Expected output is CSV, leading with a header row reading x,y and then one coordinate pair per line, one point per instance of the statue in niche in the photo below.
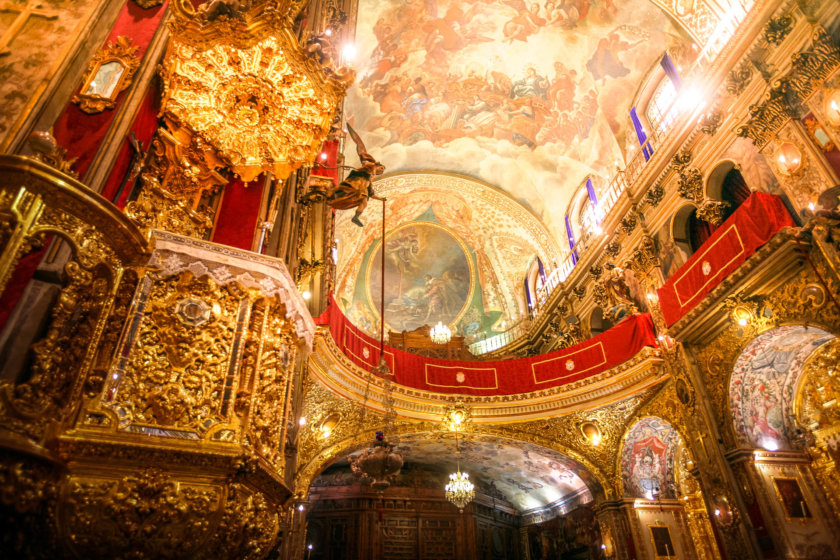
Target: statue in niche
x,y
619,297
355,190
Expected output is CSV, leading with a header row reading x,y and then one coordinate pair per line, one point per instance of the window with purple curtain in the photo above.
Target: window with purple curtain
x,y
571,240
647,148
671,71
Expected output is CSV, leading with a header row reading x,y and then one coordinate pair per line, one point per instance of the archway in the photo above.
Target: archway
x,y
763,384
598,323
778,470
655,467
526,496
727,183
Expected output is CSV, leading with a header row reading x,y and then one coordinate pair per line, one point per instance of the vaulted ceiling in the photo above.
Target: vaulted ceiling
x,y
529,97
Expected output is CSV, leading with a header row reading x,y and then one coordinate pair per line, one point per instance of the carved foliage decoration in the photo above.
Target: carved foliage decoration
x,y
146,4
777,29
175,372
809,69
155,515
109,73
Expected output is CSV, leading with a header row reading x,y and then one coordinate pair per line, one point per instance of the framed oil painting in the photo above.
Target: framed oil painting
x,y
109,73
791,497
663,546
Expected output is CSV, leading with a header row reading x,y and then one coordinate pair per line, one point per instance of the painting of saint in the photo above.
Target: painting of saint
x,y
790,495
671,255
428,274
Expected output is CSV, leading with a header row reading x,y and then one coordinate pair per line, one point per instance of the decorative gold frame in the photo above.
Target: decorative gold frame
x,y
146,4
667,530
803,503
123,51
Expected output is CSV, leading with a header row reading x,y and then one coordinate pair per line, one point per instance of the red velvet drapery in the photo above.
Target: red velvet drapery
x,y
750,227
523,375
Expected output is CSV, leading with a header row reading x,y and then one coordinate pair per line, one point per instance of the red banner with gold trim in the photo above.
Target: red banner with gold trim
x,y
752,225
591,357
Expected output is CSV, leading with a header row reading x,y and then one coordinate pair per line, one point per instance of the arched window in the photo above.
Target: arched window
x,y
659,113
535,292
726,183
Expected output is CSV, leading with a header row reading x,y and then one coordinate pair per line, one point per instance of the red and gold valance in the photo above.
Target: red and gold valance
x,y
750,226
593,356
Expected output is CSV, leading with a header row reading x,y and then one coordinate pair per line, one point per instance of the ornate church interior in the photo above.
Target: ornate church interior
x,y
420,279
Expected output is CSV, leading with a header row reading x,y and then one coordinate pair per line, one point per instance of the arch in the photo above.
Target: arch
x,y
763,383
688,231
726,183
534,282
596,480
598,322
647,462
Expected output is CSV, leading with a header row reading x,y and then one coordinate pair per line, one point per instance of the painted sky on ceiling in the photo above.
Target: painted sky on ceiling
x,y
528,97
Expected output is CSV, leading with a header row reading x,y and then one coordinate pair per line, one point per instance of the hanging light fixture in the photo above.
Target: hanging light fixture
x,y
440,334
460,491
379,463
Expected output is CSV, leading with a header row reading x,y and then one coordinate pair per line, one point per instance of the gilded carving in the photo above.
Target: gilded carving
x,y
175,372
690,185
712,211
628,223
738,79
777,29
710,122
249,64
655,194
146,4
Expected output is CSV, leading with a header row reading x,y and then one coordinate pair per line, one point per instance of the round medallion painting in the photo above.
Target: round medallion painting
x,y
428,277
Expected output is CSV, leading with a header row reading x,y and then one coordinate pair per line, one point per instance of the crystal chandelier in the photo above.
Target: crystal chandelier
x,y
440,334
460,491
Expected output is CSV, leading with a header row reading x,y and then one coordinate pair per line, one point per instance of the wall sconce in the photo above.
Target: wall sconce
x,y
788,158
832,107
328,425
591,432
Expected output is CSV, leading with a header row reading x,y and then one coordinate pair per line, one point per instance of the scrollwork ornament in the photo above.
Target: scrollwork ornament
x,y
777,29
628,223
146,4
710,122
655,194
738,79
690,185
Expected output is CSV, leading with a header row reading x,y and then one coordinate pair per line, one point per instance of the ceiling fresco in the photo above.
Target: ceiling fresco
x,y
527,476
763,384
530,97
457,251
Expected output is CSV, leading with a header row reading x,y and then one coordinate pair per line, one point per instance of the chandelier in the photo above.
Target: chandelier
x,y
460,491
440,334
